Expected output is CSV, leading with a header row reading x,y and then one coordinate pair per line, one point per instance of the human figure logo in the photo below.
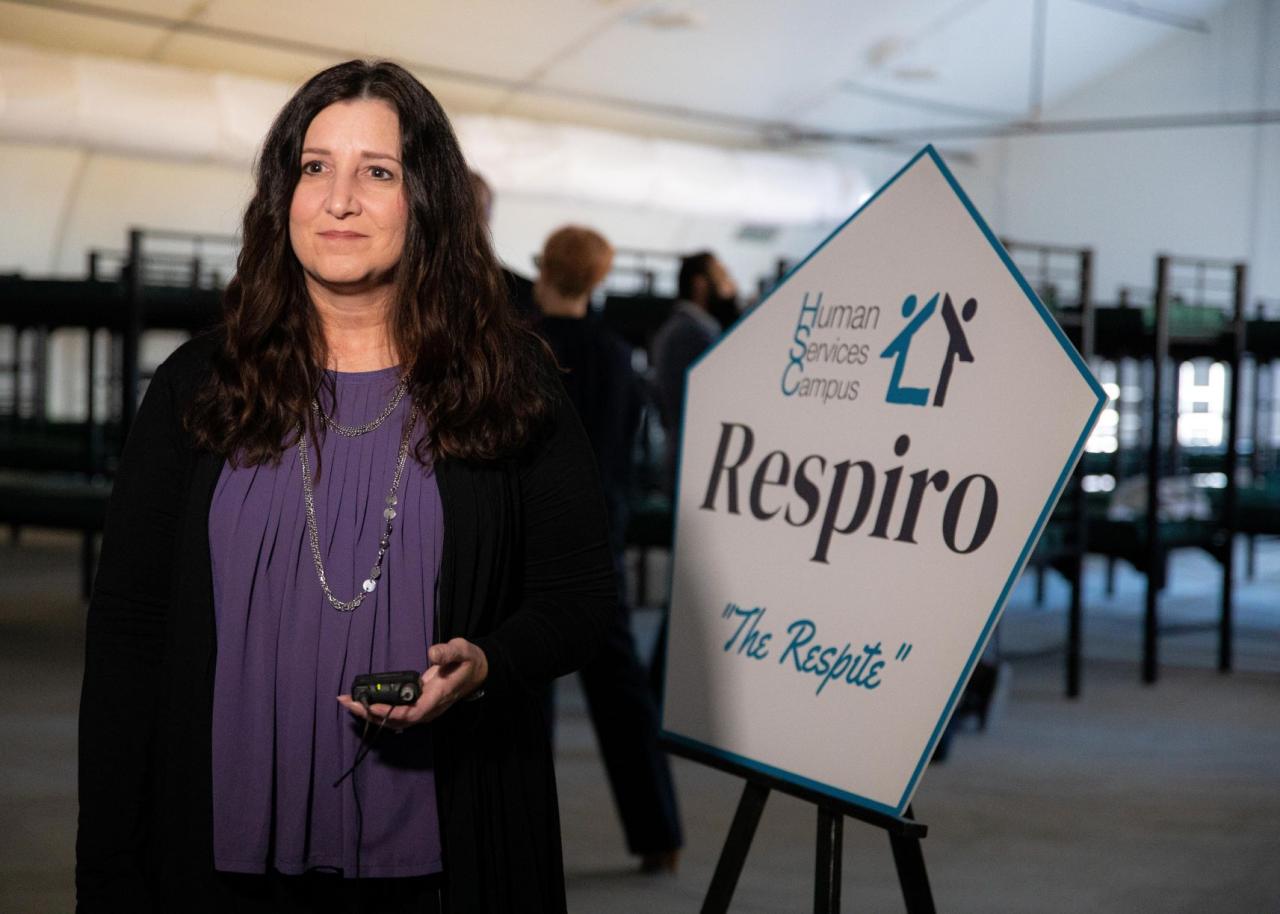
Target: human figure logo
x,y
957,348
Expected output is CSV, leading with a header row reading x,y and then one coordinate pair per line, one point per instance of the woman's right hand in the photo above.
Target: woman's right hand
x,y
458,669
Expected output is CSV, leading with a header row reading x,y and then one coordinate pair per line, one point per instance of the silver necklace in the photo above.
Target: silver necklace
x,y
388,513
358,430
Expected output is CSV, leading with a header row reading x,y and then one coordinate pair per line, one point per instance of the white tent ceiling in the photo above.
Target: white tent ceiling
x,y
742,72
162,111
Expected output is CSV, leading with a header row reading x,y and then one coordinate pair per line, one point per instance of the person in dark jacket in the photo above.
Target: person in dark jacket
x,y
369,467
707,302
606,393
519,288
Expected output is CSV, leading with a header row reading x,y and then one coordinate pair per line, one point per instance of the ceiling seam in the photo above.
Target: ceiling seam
x,y
1039,50
1150,14
534,76
954,13
195,10
769,133
761,129
1255,207
239,36
1024,128
906,100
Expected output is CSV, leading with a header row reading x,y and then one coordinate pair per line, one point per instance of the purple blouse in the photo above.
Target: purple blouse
x,y
280,738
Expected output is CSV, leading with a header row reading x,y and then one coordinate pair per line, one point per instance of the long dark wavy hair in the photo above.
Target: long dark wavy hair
x,y
479,376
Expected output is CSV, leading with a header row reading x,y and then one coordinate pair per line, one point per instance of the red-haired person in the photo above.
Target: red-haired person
x,y
602,386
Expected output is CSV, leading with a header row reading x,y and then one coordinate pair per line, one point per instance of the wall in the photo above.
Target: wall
x,y
61,202
1211,192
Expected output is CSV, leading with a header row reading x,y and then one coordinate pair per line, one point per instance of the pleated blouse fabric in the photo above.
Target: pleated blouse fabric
x,y
280,738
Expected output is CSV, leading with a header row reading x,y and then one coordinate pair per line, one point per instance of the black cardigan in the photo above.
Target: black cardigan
x,y
525,574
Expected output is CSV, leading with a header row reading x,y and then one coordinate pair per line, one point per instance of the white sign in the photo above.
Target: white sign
x,y
868,460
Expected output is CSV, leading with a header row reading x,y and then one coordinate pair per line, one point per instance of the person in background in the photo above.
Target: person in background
x,y
519,288
601,384
706,290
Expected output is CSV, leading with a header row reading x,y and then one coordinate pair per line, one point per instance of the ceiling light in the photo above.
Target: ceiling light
x,y
915,74
668,18
883,50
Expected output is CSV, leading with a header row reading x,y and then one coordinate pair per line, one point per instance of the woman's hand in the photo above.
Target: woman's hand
x,y
457,669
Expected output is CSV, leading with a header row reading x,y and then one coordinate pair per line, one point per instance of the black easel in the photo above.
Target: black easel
x,y
904,838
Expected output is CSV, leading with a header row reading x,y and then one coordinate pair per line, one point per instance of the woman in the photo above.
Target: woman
x,y
368,468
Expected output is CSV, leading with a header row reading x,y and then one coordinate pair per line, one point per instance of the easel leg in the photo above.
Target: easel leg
x,y
826,883
909,860
734,854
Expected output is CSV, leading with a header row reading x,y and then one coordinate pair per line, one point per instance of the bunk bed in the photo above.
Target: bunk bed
x,y
1062,276
54,471
1259,499
1196,313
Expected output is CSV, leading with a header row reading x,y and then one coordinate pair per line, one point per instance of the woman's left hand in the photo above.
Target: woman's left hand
x,y
457,669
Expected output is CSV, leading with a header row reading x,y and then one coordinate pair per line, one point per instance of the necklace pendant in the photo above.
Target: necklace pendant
x,y
370,584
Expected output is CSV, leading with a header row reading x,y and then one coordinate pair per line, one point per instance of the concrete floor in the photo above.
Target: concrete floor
x,y
1132,799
